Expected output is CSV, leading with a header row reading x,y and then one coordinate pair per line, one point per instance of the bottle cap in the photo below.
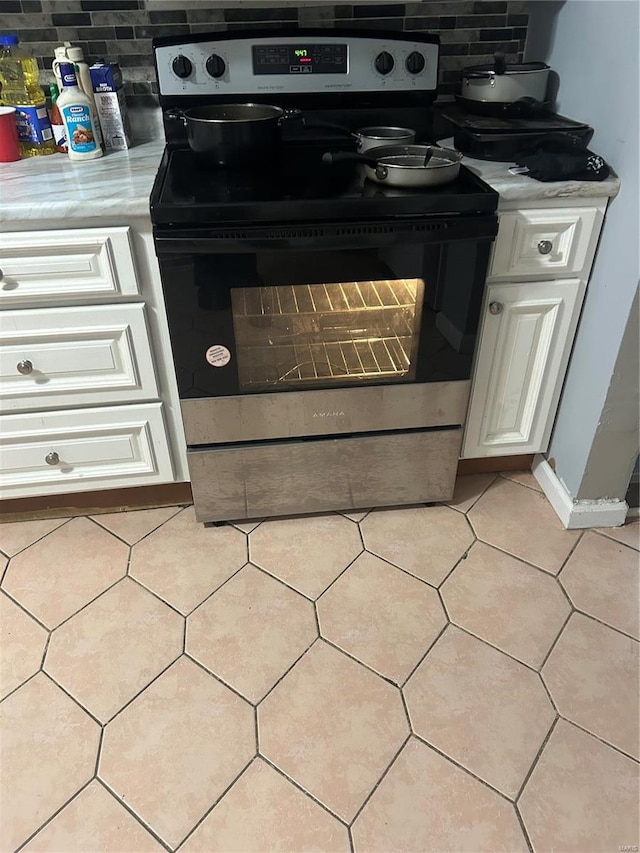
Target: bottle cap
x,y
75,53
5,39
68,74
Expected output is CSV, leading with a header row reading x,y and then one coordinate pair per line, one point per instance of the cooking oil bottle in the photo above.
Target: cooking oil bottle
x,y
20,89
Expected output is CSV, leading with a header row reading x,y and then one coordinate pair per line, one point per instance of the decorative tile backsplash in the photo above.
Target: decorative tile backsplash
x,y
121,30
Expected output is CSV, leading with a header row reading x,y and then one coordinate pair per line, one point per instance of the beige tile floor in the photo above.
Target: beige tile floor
x,y
443,678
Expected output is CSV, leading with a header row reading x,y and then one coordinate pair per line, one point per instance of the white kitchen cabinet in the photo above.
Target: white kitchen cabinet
x,y
64,266
526,339
83,449
87,393
65,357
538,274
546,243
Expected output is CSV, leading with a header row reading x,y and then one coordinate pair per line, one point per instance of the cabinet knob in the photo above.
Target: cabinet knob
x,y
52,458
24,367
1,274
545,246
496,307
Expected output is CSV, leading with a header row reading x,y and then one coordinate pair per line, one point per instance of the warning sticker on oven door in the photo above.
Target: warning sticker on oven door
x,y
218,356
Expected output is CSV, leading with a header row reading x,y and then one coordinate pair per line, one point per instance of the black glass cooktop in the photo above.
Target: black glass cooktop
x,y
297,186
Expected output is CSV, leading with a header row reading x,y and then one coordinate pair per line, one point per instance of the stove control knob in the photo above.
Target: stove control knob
x,y
215,65
384,63
415,62
182,67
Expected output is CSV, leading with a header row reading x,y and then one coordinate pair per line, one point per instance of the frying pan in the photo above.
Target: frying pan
x,y
408,166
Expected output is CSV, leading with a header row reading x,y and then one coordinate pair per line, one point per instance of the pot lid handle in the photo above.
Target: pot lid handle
x,y
499,64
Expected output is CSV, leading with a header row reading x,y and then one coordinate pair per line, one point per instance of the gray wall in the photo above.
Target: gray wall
x,y
121,30
593,46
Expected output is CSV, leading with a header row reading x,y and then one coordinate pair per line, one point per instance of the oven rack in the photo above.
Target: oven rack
x,y
375,357
297,299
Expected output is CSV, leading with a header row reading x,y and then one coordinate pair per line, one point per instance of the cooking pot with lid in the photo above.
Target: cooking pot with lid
x,y
502,82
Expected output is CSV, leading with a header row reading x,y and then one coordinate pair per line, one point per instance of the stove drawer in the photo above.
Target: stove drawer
x,y
545,242
61,266
318,475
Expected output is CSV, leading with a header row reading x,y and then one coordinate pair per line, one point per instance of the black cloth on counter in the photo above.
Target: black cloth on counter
x,y
563,157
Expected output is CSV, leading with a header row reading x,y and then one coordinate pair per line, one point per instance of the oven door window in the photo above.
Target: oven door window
x,y
272,320
345,332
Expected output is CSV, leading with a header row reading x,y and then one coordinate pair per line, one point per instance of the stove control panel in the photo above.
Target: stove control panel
x,y
292,64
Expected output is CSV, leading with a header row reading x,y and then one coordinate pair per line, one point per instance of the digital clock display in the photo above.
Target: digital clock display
x,y
299,59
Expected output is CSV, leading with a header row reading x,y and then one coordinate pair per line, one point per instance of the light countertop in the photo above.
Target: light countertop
x,y
54,187
520,187
120,184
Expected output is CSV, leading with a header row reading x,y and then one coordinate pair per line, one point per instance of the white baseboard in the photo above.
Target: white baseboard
x,y
576,514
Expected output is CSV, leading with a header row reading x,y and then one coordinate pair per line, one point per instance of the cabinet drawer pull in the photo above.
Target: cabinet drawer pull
x,y
52,458
24,367
496,307
1,274
545,247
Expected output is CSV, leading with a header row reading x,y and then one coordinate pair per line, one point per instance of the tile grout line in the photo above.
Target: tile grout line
x,y
466,770
24,683
142,689
457,563
421,661
296,784
599,532
218,800
400,568
518,483
288,670
546,572
73,698
598,738
606,624
342,572
477,498
209,595
138,818
387,679
523,828
555,642
380,780
536,759
469,633
84,606
63,523
179,510
27,612
218,678
54,815
276,578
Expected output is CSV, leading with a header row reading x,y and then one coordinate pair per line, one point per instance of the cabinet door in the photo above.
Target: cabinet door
x,y
525,342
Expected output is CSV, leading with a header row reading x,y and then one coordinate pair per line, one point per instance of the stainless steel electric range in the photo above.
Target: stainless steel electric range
x,y
322,326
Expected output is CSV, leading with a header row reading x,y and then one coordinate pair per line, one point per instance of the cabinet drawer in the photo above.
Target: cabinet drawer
x,y
75,356
83,449
60,266
545,242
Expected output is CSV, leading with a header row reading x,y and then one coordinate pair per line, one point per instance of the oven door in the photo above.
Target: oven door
x,y
263,310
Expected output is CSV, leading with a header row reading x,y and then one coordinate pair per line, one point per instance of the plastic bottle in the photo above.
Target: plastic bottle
x,y
68,52
75,109
57,125
20,89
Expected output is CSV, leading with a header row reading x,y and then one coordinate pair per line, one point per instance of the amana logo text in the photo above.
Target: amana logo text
x,y
328,414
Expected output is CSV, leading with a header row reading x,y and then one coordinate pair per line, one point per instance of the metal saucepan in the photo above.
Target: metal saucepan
x,y
233,134
408,166
501,82
369,137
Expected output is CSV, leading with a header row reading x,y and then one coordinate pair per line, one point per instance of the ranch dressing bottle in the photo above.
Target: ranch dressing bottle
x,y
76,110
